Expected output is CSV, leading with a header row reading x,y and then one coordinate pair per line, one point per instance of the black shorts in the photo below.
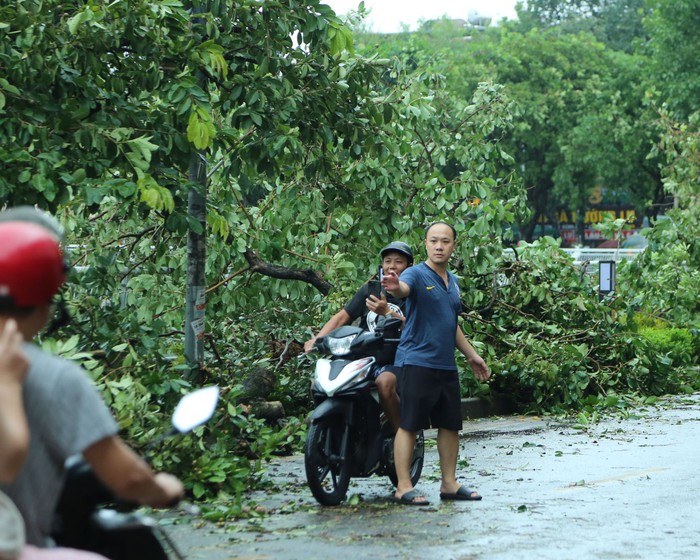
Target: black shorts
x,y
382,369
429,397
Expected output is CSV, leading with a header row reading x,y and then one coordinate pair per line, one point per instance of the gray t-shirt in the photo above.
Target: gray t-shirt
x,y
66,415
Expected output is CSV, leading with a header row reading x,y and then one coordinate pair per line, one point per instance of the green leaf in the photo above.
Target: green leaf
x,y
76,20
195,225
198,490
94,195
142,147
8,87
70,344
200,129
154,195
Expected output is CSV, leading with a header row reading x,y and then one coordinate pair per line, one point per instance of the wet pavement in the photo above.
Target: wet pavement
x,y
618,489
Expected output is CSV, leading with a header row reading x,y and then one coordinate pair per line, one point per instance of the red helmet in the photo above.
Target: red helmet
x,y
31,265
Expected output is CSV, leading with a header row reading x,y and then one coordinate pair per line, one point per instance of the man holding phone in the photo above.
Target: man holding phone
x,y
368,304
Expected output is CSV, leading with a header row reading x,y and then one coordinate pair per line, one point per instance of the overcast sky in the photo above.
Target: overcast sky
x,y
388,15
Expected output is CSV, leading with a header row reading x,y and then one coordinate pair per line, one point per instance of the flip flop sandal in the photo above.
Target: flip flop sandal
x,y
463,493
409,499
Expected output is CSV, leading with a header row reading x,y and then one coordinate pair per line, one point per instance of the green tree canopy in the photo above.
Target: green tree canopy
x,y
315,157
616,23
673,27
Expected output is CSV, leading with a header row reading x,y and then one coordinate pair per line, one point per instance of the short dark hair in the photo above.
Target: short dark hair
x,y
454,231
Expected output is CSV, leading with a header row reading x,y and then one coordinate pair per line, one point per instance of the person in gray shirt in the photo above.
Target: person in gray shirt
x,y
14,444
64,411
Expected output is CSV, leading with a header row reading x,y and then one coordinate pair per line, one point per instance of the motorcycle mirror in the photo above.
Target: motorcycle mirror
x,y
195,409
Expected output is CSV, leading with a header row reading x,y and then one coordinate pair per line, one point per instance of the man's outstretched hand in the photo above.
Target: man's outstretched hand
x,y
390,282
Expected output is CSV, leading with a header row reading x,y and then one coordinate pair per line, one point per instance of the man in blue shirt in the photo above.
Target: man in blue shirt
x,y
428,379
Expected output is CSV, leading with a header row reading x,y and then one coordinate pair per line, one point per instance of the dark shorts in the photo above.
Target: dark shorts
x,y
429,397
382,369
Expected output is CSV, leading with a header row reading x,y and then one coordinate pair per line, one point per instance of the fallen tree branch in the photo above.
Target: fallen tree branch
x,y
274,271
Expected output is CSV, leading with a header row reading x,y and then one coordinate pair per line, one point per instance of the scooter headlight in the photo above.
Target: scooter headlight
x,y
340,346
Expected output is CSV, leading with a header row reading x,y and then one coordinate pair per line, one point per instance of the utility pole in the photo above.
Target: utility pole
x,y
195,297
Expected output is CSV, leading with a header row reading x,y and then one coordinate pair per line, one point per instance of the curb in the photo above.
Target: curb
x,y
476,407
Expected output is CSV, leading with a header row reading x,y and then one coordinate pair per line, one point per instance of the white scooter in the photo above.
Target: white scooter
x,y
349,436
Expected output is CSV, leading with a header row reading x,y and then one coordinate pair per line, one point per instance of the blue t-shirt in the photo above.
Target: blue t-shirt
x,y
428,338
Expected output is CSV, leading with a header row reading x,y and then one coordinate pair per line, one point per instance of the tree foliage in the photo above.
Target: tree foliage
x,y
616,23
552,342
318,150
664,282
581,120
672,26
315,157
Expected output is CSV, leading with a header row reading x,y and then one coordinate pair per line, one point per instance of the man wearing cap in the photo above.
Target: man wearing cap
x,y
397,256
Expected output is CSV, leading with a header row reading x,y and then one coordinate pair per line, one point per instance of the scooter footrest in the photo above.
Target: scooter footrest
x,y
111,520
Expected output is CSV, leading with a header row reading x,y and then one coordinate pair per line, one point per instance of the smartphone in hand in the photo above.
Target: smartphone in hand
x,y
375,288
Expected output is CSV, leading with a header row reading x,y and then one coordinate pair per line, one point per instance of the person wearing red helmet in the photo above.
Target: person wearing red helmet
x,y
14,444
32,266
65,413
397,256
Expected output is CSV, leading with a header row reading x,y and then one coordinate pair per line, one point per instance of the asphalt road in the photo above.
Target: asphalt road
x,y
619,489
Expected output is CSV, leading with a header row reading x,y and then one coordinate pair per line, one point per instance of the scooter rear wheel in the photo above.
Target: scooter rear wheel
x,y
416,468
327,475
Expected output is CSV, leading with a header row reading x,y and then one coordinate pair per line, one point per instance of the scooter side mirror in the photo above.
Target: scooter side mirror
x,y
195,409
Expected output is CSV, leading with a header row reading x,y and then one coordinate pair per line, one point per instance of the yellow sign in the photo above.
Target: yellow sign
x,y
596,216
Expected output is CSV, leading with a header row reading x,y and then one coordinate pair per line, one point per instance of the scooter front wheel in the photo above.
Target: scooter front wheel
x,y
327,474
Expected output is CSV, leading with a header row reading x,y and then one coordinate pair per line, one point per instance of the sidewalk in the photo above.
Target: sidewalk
x,y
620,489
